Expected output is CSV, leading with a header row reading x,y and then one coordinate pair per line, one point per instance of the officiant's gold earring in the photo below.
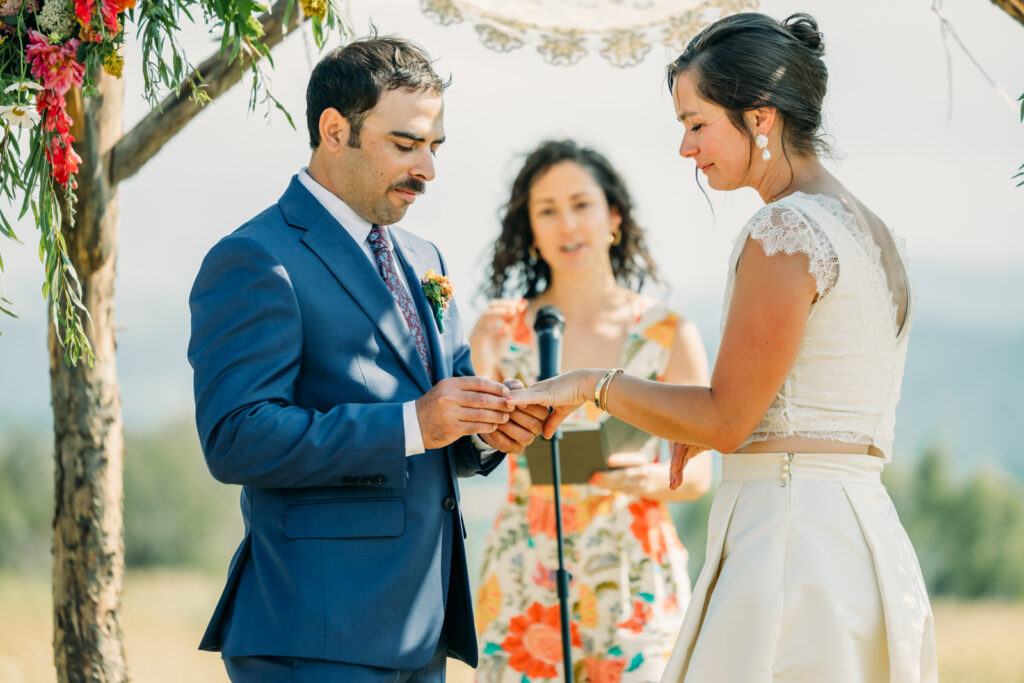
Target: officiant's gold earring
x,y
762,143
614,237
534,254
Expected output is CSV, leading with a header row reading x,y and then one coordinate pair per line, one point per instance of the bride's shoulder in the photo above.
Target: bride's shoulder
x,y
785,213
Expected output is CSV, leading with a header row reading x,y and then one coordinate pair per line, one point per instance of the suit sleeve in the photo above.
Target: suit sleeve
x,y
246,351
469,461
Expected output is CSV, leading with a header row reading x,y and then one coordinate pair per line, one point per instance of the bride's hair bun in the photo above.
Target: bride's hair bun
x,y
749,60
805,29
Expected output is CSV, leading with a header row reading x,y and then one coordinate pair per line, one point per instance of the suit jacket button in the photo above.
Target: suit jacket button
x,y
379,480
448,504
367,481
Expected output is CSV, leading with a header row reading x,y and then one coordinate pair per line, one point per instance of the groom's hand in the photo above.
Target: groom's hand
x,y
524,424
459,406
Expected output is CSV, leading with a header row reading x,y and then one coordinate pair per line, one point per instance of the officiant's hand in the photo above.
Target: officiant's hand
x,y
501,325
523,426
563,394
632,473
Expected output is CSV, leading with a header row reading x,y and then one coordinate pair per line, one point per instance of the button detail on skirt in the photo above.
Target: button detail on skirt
x,y
784,476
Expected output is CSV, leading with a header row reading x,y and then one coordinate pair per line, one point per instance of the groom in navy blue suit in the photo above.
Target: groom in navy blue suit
x,y
327,389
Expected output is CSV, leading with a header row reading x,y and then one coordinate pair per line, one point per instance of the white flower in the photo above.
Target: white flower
x,y
57,19
19,114
22,86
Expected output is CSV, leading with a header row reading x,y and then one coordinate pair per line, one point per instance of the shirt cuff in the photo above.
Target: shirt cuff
x,y
481,445
413,435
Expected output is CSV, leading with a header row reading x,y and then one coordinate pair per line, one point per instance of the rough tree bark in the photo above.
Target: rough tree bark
x,y
88,540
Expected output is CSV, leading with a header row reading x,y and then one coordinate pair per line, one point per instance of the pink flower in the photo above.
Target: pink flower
x,y
54,66
109,10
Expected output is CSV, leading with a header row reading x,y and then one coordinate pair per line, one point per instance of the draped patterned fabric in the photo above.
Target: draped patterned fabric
x,y
565,31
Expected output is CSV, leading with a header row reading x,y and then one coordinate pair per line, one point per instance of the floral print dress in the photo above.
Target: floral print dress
x,y
629,585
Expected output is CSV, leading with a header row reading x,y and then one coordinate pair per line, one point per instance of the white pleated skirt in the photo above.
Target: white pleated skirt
x,y
809,578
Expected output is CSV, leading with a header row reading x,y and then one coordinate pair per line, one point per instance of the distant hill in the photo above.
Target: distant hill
x,y
963,383
963,388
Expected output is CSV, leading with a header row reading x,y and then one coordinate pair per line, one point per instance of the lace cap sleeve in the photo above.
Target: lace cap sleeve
x,y
781,228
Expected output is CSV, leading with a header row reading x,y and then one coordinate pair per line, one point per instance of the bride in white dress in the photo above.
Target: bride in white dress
x,y
809,575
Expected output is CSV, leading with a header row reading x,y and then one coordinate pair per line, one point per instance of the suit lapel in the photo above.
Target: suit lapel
x,y
414,269
350,266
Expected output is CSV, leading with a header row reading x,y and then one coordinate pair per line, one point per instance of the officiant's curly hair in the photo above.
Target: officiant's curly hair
x,y
352,78
515,271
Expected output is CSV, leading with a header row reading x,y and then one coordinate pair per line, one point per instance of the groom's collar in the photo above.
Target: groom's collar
x,y
357,227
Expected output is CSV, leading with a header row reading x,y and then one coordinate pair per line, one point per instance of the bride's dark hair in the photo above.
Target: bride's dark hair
x,y
749,60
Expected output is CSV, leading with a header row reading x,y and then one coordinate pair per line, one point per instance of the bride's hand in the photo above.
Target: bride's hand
x,y
563,394
681,455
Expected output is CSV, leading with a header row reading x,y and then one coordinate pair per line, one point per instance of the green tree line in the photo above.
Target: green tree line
x,y
968,529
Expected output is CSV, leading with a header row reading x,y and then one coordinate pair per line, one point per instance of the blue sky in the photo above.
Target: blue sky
x,y
940,179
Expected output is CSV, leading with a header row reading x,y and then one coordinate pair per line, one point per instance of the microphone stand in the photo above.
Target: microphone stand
x,y
549,325
562,576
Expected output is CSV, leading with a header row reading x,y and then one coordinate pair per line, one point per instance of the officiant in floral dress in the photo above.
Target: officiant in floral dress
x,y
569,240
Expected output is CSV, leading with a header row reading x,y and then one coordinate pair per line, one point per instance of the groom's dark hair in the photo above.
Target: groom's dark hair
x,y
352,78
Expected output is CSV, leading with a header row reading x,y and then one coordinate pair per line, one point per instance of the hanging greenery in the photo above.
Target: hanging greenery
x,y
53,49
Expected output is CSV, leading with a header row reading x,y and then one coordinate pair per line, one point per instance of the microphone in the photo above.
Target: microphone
x,y
549,325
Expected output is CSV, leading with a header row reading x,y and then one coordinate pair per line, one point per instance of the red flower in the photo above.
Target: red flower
x,y
604,670
641,615
541,516
534,641
109,9
52,107
54,66
84,9
62,157
652,528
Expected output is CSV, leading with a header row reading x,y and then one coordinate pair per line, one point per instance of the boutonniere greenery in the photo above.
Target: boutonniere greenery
x,y
439,292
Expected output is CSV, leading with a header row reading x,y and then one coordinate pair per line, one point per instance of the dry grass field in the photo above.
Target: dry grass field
x,y
166,611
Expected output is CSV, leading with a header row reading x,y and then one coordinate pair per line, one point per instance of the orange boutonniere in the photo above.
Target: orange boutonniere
x,y
439,292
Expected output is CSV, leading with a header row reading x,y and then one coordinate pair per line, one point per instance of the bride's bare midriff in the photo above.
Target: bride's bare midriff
x,y
800,444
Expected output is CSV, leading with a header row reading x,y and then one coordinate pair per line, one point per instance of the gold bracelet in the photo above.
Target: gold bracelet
x,y
601,390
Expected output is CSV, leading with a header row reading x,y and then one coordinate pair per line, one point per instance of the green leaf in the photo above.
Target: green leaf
x,y
288,11
491,648
635,664
616,651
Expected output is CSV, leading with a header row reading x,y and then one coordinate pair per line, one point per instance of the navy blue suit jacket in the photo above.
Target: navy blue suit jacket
x,y
352,551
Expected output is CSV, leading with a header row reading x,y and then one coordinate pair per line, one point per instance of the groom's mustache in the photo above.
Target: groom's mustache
x,y
412,185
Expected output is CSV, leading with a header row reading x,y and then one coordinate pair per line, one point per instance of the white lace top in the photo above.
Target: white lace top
x,y
845,381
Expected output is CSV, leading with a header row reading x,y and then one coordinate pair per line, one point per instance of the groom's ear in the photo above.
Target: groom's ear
x,y
334,129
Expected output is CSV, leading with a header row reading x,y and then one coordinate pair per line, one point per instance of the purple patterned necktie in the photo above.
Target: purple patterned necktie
x,y
380,244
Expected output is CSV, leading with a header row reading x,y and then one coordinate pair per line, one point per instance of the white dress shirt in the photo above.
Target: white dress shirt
x,y
360,229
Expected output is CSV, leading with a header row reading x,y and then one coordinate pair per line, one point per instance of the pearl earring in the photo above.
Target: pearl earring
x,y
762,143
